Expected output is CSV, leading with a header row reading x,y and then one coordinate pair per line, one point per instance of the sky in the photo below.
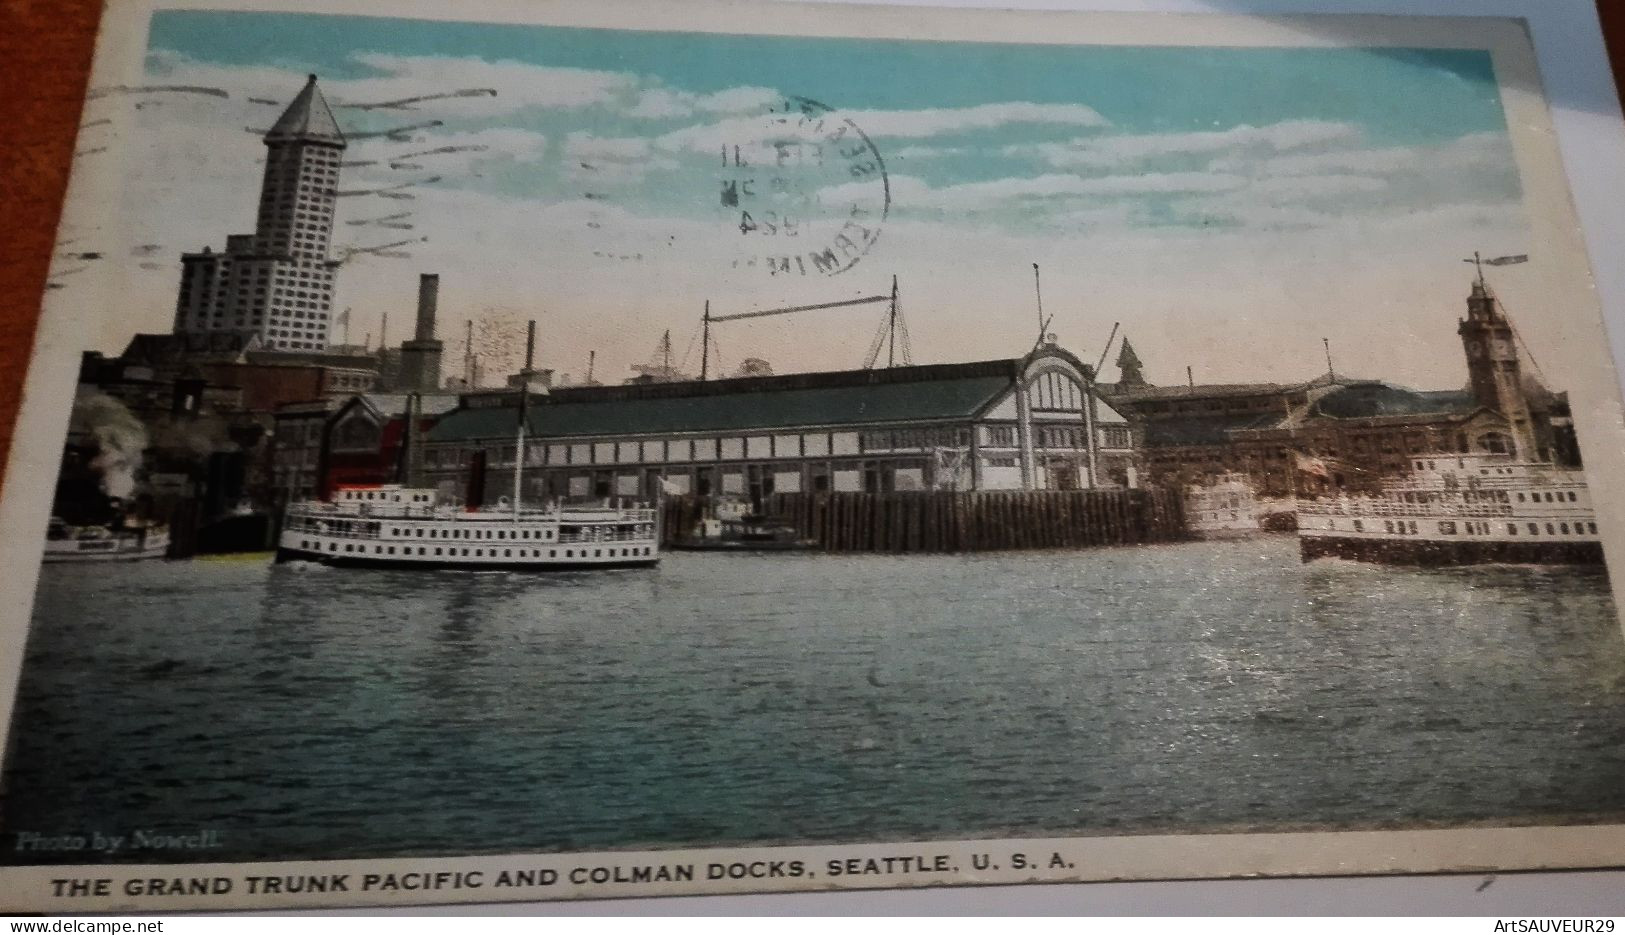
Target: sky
x,y
1230,207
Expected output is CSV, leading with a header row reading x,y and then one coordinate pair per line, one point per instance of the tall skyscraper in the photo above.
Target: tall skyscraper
x,y
278,281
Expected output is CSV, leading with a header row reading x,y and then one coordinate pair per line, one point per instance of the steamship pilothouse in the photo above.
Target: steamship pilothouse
x,y
394,526
1459,510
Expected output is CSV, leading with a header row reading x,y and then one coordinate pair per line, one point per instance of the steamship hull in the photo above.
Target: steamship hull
x,y
1440,553
285,554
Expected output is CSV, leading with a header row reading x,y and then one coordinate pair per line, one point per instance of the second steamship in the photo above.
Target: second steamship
x,y
1456,510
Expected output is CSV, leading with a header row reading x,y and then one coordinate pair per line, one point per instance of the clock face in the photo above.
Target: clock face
x,y
1474,348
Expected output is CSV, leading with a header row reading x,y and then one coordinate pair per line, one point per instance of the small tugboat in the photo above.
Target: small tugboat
x,y
125,542
735,529
1459,510
1223,509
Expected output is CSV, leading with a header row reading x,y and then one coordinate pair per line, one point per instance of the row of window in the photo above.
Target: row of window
x,y
1477,528
426,552
1548,496
380,495
913,439
812,445
807,445
436,533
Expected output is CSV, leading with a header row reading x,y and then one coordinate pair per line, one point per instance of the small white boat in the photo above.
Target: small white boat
x,y
1224,509
734,528
128,543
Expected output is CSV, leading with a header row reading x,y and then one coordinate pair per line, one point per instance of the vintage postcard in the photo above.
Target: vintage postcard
x,y
523,451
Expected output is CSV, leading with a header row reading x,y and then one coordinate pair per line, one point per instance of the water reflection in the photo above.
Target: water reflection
x,y
722,699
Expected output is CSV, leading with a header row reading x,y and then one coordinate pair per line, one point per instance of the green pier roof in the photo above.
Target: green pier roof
x,y
912,394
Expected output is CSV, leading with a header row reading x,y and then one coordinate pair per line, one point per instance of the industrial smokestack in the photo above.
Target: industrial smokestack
x,y
428,304
420,357
530,346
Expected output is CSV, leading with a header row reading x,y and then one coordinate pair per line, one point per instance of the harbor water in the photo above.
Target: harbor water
x,y
302,711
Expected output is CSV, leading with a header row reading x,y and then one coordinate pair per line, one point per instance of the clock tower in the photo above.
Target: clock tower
x,y
1492,366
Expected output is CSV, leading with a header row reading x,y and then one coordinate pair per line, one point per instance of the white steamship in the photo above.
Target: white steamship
x,y
1459,510
393,525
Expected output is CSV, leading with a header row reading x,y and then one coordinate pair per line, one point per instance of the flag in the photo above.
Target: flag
x,y
1311,465
1507,260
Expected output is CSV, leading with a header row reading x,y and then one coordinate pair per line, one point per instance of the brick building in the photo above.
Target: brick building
x,y
1335,431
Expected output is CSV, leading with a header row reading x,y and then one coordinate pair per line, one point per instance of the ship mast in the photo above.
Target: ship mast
x,y
519,446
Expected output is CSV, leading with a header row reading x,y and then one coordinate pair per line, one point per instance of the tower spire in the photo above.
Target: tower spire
x,y
307,119
1129,366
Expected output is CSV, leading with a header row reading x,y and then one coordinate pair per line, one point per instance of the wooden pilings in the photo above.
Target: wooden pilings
x,y
955,521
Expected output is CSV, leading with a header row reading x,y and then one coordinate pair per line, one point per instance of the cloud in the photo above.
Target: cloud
x,y
937,121
925,152
459,153
668,103
518,84
1288,216
606,160
881,125
583,145
659,103
909,191
1130,149
1474,150
1312,187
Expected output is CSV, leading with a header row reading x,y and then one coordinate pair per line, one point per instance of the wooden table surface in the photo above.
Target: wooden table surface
x,y
45,48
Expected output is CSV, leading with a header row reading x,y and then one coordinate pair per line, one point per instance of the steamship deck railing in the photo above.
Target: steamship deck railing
x,y
1359,508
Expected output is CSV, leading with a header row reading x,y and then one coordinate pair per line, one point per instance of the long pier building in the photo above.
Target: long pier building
x,y
1034,423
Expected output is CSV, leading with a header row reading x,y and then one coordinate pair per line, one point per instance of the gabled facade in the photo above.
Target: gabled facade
x,y
355,440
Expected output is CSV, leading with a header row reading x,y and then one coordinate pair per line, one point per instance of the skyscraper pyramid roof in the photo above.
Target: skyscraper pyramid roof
x,y
307,118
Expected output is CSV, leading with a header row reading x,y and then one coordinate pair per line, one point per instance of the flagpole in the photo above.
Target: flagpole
x,y
1038,292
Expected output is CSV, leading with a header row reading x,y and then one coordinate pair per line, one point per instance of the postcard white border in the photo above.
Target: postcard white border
x,y
1563,268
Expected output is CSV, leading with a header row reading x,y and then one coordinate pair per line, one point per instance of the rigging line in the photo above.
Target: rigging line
x,y
873,355
902,330
802,308
693,336
1513,324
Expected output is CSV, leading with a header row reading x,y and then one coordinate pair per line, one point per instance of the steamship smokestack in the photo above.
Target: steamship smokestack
x,y
536,381
428,305
420,357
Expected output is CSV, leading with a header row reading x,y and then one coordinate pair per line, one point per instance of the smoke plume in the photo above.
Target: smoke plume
x,y
120,441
